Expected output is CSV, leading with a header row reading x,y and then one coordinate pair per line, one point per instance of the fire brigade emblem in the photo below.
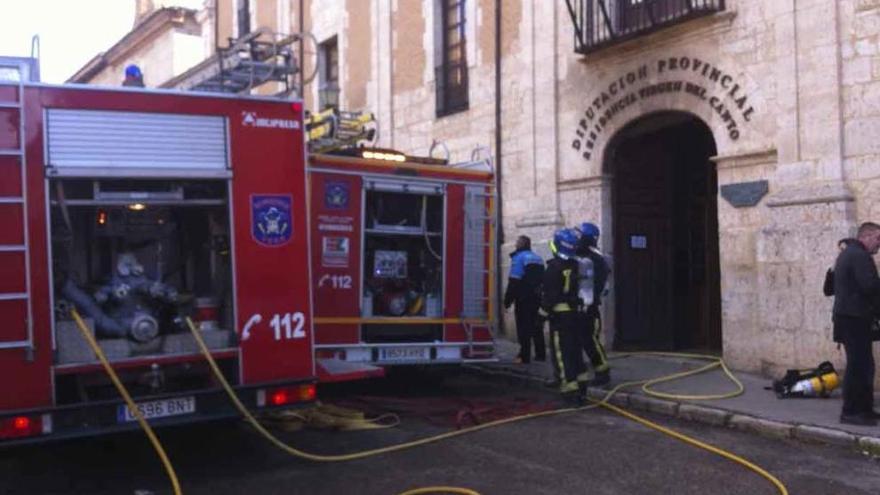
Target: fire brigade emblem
x,y
336,195
271,220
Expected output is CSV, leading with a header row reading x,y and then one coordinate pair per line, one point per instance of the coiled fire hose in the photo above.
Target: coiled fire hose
x,y
646,384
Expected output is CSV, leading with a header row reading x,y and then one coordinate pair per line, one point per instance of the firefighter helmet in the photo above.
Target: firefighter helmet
x,y
589,233
564,243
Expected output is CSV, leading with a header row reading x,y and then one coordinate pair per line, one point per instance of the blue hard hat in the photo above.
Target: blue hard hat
x,y
133,71
588,229
564,243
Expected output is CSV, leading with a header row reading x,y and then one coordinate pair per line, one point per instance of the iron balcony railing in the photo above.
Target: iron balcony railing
x,y
599,23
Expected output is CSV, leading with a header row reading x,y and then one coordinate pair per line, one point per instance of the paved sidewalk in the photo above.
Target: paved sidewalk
x,y
757,410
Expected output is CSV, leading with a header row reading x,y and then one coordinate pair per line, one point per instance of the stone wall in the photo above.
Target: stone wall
x,y
160,58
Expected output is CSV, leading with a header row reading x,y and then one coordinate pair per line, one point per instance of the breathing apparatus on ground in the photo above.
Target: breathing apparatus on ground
x,y
816,382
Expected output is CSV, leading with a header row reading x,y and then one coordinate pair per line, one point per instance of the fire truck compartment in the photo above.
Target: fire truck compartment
x,y
403,256
136,257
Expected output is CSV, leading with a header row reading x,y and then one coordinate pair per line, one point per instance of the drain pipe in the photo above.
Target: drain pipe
x,y
302,52
498,168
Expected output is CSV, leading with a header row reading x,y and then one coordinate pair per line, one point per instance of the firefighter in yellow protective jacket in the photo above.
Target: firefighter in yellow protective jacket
x,y
560,302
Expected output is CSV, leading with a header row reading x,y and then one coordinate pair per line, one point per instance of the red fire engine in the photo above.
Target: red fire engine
x,y
140,208
402,257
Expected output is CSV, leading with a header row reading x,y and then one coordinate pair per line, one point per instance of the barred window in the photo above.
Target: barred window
x,y
328,74
244,17
451,71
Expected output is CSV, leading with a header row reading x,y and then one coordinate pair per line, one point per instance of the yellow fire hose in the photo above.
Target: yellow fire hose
x,y
128,401
646,384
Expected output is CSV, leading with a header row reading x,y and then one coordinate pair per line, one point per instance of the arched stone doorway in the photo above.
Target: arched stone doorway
x,y
665,227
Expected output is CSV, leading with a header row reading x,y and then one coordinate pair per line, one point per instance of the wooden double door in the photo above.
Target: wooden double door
x,y
666,265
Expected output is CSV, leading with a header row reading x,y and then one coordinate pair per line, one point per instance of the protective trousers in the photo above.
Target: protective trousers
x,y
568,358
858,381
591,328
526,313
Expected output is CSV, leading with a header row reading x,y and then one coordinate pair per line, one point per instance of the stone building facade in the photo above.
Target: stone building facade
x,y
164,41
723,146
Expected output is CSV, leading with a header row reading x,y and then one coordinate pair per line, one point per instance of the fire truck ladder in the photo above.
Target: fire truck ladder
x,y
249,62
479,264
19,200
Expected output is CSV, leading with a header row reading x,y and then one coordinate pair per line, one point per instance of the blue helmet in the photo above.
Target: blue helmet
x,y
564,243
133,71
589,231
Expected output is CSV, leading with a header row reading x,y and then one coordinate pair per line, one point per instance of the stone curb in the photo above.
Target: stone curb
x,y
711,416
870,445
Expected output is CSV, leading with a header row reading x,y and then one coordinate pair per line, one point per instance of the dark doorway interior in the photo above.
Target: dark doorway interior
x,y
665,215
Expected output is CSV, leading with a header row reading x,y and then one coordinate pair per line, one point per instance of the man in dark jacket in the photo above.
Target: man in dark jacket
x,y
524,289
560,301
856,297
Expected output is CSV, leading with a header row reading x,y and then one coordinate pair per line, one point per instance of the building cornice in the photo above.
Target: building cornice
x,y
746,158
159,21
584,183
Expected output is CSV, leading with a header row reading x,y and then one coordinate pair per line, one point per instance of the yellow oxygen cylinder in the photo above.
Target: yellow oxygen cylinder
x,y
821,385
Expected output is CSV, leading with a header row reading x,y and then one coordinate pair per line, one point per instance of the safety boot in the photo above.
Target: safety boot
x,y
601,378
572,399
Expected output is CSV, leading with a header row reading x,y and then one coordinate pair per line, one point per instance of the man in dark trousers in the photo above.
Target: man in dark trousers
x,y
524,290
856,298
560,302
592,277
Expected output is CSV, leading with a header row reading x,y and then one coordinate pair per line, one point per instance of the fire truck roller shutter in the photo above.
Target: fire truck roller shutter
x,y
115,143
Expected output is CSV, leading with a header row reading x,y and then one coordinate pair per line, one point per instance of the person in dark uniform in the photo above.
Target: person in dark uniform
x,y
592,278
560,302
524,290
856,297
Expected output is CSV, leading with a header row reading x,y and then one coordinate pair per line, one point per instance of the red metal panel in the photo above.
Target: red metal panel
x,y
453,262
336,334
12,268
8,94
10,176
13,315
9,126
336,253
12,220
272,270
31,386
409,170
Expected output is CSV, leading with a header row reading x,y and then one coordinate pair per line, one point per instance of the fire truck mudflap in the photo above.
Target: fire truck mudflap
x,y
140,208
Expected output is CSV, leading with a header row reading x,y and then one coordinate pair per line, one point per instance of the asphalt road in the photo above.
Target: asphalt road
x,y
593,452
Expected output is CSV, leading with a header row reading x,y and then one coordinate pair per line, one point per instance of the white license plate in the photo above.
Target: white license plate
x,y
158,409
404,354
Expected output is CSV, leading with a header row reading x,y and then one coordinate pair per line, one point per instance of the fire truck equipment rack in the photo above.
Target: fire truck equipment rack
x,y
249,62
